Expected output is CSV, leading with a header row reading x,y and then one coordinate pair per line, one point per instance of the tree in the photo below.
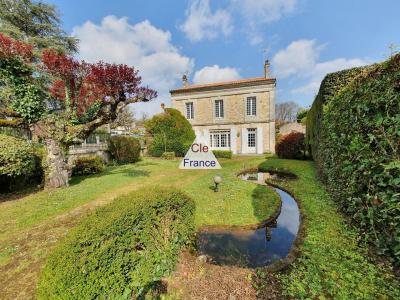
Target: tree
x,y
81,98
36,23
286,111
170,132
302,115
125,119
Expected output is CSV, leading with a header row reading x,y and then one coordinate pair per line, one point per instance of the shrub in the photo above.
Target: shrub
x,y
168,155
170,132
222,153
122,249
86,165
17,162
291,146
357,150
124,149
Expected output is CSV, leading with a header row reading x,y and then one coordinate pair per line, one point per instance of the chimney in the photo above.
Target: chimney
x,y
185,80
266,68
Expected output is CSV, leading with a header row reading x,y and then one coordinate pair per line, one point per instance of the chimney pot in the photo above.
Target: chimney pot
x,y
266,68
185,80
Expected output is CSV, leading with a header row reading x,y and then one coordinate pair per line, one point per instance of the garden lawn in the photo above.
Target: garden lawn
x,y
332,264
32,225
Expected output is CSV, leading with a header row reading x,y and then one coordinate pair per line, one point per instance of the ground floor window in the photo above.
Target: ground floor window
x,y
220,138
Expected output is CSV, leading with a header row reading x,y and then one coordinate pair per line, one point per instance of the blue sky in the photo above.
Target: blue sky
x,y
228,39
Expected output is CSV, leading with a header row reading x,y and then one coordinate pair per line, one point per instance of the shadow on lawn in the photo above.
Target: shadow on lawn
x,y
126,171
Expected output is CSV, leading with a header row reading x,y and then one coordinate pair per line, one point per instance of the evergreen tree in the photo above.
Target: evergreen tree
x,y
36,23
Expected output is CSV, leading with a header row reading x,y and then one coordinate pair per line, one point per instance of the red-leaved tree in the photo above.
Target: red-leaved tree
x,y
62,100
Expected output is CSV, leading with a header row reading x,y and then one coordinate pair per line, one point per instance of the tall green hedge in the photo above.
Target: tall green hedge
x,y
170,131
122,249
353,130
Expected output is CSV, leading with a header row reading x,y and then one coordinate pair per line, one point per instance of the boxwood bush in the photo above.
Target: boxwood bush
x,y
86,165
168,155
222,153
121,250
124,149
353,130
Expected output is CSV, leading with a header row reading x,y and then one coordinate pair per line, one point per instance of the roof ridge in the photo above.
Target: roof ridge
x,y
237,81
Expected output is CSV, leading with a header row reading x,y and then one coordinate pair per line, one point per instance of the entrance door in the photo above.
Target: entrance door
x,y
251,140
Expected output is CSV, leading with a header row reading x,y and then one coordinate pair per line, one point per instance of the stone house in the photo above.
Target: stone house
x,y
235,115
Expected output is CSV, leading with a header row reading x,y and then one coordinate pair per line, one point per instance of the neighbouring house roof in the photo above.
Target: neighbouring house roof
x,y
225,84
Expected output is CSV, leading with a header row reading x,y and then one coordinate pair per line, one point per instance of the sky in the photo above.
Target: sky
x,y
219,40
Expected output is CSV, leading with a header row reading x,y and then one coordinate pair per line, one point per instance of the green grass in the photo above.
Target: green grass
x,y
332,264
31,225
232,205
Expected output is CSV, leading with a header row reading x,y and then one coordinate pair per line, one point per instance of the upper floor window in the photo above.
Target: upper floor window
x,y
219,108
189,110
251,106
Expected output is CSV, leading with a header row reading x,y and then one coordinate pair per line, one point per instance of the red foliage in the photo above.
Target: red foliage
x,y
89,83
291,146
11,48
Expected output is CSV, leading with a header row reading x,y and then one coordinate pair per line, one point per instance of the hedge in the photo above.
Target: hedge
x,y
18,163
121,250
222,153
124,149
168,155
86,165
353,131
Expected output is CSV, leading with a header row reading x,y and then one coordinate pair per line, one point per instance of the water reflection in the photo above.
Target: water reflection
x,y
254,248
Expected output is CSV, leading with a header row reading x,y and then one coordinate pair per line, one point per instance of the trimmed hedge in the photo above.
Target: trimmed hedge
x,y
122,249
170,131
168,155
353,131
86,165
124,149
222,153
291,146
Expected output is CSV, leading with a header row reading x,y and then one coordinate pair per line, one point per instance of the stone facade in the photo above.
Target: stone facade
x,y
246,124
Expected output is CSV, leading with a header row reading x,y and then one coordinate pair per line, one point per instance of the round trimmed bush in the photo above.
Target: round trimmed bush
x,y
122,249
291,146
17,162
124,149
170,131
87,165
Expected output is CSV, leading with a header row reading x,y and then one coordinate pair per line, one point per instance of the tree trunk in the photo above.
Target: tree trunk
x,y
57,169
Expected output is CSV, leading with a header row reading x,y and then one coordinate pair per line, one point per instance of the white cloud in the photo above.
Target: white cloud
x,y
147,48
299,57
323,68
201,23
265,11
215,74
301,60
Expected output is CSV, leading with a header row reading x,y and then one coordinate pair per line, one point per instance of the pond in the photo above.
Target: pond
x,y
253,247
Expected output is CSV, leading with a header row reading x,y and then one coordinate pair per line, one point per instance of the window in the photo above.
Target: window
x,y
220,139
251,137
189,110
251,106
219,108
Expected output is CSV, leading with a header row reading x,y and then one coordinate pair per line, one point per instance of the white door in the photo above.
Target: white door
x,y
251,140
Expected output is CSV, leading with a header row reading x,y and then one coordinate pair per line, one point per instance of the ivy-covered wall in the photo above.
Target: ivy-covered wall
x,y
353,133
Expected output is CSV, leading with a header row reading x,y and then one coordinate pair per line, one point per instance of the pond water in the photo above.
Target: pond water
x,y
253,247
